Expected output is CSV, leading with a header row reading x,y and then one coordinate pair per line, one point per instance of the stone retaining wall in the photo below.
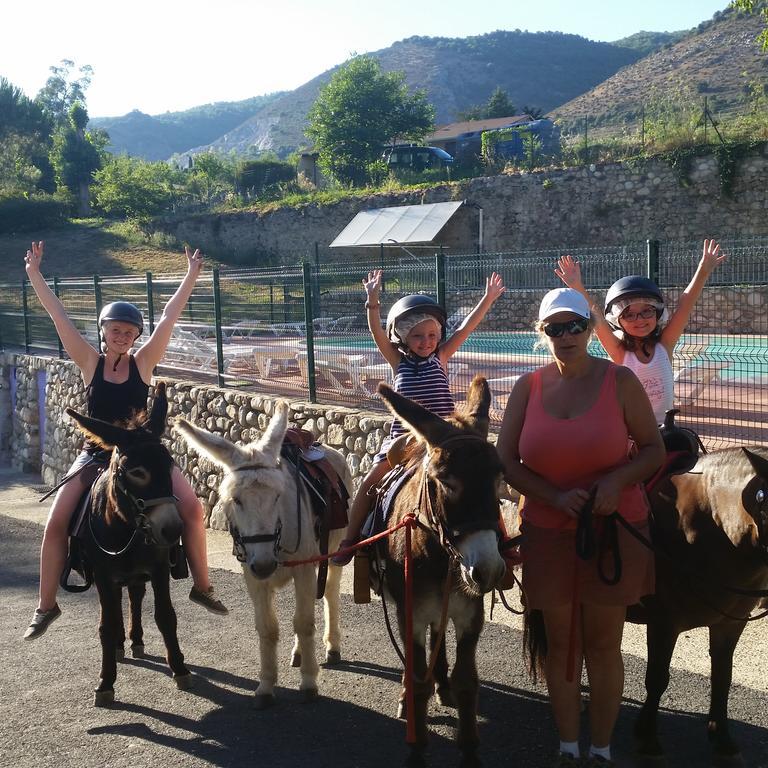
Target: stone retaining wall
x,y
598,205
239,416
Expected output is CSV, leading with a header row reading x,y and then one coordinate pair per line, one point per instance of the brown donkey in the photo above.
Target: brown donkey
x,y
453,489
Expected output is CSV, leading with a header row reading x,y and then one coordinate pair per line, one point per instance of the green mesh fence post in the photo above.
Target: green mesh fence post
x,y
316,284
440,277
56,294
271,302
307,268
97,299
652,260
150,304
25,311
217,320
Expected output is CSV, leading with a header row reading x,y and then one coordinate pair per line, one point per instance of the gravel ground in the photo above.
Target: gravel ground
x,y
47,718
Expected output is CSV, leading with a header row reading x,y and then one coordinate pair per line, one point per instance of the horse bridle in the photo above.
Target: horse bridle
x,y
239,541
437,525
139,507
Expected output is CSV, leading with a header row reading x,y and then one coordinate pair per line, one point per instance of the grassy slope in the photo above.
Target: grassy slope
x,y
89,247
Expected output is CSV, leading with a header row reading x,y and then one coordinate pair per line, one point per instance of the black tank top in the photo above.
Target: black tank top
x,y
115,402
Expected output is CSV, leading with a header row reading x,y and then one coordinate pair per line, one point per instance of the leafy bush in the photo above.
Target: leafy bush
x,y
27,214
131,188
253,176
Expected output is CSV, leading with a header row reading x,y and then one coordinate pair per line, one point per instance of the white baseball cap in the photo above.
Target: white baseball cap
x,y
563,300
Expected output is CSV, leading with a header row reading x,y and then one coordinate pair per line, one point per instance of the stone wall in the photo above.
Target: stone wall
x,y
596,205
239,416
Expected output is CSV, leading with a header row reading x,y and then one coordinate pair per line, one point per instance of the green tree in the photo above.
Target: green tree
x,y
358,112
25,141
76,155
755,6
62,90
498,105
210,176
132,188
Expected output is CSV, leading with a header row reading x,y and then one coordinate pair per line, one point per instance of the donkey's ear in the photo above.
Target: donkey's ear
x,y
157,416
423,423
101,432
478,405
759,464
218,449
271,441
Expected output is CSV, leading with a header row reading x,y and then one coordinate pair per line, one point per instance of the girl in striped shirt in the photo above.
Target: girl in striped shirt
x,y
413,344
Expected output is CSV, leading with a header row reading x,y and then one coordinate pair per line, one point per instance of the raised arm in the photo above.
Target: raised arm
x,y
372,285
152,352
494,287
81,352
569,271
711,258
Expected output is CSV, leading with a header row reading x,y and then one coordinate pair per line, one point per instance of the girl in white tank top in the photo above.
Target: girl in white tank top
x,y
637,330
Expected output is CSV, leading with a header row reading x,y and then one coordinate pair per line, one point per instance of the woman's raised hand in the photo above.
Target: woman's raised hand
x,y
34,257
194,260
494,286
372,284
569,271
711,256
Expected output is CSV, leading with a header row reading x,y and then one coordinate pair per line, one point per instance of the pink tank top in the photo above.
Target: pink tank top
x,y
574,453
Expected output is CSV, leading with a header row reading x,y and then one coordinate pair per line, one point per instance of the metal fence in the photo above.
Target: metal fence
x,y
301,332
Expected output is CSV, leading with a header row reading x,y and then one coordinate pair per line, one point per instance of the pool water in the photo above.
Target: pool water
x,y
743,358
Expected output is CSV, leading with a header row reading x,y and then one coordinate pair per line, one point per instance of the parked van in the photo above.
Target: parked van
x,y
415,158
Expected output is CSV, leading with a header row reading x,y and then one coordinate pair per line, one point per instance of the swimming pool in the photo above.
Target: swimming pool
x,y
738,357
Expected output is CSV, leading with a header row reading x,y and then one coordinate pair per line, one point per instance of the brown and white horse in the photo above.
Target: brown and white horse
x,y
455,548
271,520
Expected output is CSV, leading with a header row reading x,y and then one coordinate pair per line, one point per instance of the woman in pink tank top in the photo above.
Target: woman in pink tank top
x,y
565,436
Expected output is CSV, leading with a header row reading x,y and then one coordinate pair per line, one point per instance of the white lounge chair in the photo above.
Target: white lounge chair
x,y
456,318
336,370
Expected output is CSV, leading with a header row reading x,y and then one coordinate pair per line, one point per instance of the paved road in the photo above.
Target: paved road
x,y
46,716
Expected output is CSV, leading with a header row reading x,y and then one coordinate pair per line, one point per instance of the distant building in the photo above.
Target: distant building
x,y
464,139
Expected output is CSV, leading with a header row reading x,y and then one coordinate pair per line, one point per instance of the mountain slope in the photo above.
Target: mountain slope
x,y
160,136
536,69
717,60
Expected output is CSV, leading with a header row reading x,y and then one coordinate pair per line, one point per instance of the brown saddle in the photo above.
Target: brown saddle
x,y
326,490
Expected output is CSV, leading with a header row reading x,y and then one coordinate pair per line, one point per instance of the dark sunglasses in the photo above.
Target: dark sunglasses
x,y
574,327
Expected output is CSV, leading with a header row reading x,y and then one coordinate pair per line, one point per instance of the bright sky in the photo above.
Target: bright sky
x,y
168,55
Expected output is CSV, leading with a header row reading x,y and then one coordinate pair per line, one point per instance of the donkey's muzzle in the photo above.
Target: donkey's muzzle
x,y
263,569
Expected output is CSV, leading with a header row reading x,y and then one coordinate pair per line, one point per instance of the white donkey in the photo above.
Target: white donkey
x,y
259,498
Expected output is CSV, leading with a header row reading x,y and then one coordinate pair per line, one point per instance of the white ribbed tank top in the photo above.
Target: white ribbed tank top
x,y
656,377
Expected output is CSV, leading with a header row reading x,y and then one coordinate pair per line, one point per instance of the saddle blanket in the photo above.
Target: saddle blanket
x,y
390,486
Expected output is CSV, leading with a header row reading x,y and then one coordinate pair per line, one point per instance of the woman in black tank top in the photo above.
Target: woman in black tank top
x,y
117,382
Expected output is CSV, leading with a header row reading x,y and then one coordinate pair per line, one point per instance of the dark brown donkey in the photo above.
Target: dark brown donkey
x,y
130,523
453,489
710,531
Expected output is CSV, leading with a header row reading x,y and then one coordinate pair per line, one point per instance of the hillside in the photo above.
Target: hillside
x,y
536,69
160,136
542,69
717,60
648,42
88,248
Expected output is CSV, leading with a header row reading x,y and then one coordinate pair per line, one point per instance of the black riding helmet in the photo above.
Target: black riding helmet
x,y
123,312
630,287
416,302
